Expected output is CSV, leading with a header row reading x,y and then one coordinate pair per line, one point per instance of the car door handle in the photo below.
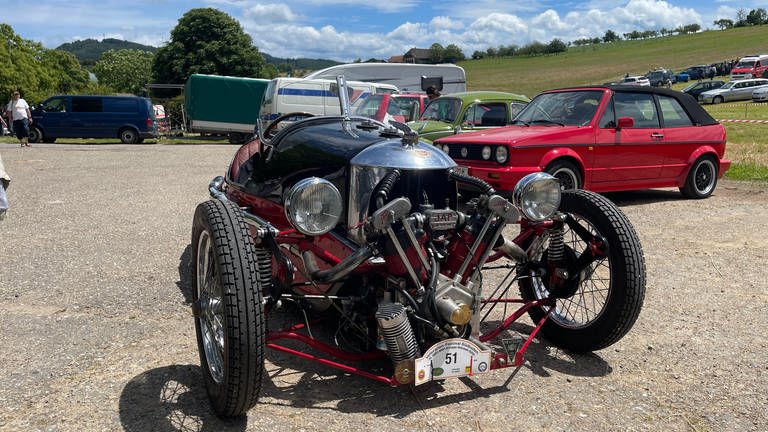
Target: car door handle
x,y
657,135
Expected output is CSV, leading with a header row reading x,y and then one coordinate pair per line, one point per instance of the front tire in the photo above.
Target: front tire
x,y
610,291
701,180
35,134
228,299
568,174
718,99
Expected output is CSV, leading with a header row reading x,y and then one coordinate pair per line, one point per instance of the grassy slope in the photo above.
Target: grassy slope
x,y
609,62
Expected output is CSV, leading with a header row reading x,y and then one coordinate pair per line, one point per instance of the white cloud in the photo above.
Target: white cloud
x,y
445,23
270,14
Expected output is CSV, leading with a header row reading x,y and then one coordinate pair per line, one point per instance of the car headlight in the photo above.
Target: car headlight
x,y
446,149
502,154
313,206
486,153
537,196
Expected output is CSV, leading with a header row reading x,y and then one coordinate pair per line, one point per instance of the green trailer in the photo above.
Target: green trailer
x,y
223,105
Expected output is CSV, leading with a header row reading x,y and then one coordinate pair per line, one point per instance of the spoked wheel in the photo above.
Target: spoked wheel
x,y
604,301
701,180
229,312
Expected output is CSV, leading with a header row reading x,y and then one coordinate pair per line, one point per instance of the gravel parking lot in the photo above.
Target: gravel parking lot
x,y
96,331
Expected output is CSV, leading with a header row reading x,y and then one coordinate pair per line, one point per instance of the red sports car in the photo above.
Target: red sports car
x,y
601,138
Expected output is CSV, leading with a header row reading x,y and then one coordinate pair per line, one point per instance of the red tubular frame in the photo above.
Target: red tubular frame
x,y
499,359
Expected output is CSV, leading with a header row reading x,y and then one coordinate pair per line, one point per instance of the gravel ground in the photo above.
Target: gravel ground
x,y
96,331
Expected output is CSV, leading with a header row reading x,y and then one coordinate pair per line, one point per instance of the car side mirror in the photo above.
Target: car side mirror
x,y
625,122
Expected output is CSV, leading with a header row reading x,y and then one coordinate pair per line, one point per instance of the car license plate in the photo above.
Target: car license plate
x,y
462,170
451,358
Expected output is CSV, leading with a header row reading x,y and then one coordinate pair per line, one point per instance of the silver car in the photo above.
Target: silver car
x,y
733,91
760,95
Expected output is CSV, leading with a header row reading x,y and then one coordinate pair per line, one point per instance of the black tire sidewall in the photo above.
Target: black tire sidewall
x,y
220,394
129,136
562,165
689,189
35,134
612,323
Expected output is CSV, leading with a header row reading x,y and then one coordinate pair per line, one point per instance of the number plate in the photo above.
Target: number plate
x,y
452,358
462,169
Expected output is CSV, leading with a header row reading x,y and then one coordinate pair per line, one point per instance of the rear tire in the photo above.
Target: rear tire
x,y
702,179
611,290
129,136
228,299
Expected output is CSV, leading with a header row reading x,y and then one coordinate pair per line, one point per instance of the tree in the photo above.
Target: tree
x,y
207,41
436,53
757,17
723,23
556,46
453,54
611,36
36,71
741,18
477,55
126,71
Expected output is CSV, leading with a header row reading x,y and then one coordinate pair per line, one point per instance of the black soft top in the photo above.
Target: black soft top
x,y
698,114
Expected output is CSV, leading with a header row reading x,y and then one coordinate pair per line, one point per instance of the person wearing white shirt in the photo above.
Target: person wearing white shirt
x,y
19,113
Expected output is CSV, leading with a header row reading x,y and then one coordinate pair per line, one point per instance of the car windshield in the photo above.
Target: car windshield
x,y
692,86
370,106
568,108
728,85
444,109
745,64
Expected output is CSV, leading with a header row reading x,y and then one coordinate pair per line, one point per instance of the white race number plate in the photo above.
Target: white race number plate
x,y
452,358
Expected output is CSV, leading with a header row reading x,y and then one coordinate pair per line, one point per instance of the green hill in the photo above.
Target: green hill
x,y
600,63
89,51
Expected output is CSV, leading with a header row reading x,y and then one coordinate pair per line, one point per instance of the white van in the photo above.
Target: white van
x,y
409,78
314,96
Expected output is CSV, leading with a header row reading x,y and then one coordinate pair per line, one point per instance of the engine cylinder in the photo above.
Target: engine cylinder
x,y
397,331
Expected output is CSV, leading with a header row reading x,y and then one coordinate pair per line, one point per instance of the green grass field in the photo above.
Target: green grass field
x,y
747,142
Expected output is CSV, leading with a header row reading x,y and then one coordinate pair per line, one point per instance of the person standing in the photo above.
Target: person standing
x,y
19,113
5,180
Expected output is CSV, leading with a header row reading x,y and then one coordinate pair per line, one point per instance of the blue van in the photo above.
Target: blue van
x,y
129,118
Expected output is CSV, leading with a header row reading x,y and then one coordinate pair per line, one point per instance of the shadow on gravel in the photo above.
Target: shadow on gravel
x,y
644,196
185,277
170,399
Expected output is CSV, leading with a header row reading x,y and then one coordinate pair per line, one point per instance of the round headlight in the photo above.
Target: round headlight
x,y
502,154
486,153
313,206
537,196
446,149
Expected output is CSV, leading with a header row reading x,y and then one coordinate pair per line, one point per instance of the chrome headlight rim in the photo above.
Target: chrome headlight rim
x,y
537,196
298,210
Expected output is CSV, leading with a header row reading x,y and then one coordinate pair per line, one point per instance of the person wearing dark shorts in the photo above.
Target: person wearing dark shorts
x,y
19,113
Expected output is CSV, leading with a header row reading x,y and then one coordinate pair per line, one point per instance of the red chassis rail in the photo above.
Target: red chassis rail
x,y
499,360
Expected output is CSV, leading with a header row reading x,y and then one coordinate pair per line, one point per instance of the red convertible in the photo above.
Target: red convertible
x,y
601,138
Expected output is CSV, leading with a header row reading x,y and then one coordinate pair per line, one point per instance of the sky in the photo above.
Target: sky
x,y
346,30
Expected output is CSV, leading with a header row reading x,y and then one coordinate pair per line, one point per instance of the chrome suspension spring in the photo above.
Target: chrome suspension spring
x,y
397,332
264,266
556,246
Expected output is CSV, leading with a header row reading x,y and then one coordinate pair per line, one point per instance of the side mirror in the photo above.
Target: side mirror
x,y
625,122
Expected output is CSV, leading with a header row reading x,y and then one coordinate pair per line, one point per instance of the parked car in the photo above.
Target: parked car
x,y
635,80
467,111
700,87
403,107
661,77
733,91
601,138
760,95
129,118
697,72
